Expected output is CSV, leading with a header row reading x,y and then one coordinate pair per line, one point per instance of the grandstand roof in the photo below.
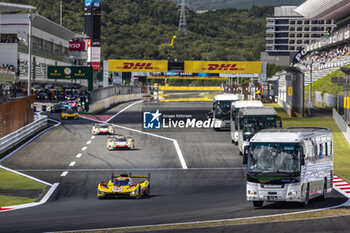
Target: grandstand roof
x,y
325,9
10,7
39,22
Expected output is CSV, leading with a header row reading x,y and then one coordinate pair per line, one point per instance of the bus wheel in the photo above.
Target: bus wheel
x,y
324,196
258,204
245,159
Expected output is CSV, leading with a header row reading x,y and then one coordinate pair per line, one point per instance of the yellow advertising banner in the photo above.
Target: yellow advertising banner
x,y
188,77
290,91
345,104
348,103
137,66
231,67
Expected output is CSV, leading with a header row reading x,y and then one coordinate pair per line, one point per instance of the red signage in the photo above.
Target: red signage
x,y
96,65
76,46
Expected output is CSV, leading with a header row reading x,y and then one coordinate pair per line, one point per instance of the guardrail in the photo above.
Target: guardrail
x,y
16,137
344,128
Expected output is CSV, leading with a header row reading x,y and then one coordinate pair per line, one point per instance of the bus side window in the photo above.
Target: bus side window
x,y
331,149
321,151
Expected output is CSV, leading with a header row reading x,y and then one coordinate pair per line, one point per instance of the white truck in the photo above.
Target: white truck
x,y
293,165
235,107
221,106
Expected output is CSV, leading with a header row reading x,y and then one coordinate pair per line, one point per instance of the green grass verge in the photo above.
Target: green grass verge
x,y
10,200
9,180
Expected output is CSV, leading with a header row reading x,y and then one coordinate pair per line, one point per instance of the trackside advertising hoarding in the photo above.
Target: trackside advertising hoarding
x,y
69,72
137,66
233,67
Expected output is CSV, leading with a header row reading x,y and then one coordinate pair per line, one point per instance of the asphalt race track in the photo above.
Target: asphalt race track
x,y
213,186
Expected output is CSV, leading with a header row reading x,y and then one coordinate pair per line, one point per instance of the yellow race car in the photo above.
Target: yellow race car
x,y
69,114
124,186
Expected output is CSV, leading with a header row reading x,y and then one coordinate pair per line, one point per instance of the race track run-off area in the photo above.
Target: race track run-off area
x,y
196,175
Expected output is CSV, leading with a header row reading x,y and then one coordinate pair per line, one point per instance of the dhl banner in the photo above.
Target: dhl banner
x,y
188,77
137,66
233,67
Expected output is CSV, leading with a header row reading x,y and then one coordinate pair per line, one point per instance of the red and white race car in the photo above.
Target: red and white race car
x,y
102,128
120,141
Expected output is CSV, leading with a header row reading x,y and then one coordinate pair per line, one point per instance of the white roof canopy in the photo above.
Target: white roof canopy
x,y
324,9
11,7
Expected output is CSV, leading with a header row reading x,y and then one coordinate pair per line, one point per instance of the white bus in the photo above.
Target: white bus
x,y
293,165
250,121
222,106
235,107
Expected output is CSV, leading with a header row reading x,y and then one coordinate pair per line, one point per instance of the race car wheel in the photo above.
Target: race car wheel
x,y
139,193
146,193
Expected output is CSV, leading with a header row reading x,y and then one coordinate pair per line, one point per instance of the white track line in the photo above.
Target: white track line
x,y
176,144
27,176
130,169
64,173
84,148
72,164
92,137
78,155
53,186
42,201
88,142
129,106
30,140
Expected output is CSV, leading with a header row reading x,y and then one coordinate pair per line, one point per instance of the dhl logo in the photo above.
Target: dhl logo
x,y
138,66
222,67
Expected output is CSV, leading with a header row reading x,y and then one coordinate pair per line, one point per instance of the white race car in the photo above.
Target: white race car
x,y
120,141
102,128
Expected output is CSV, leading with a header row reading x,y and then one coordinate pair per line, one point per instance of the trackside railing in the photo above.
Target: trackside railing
x,y
344,128
16,137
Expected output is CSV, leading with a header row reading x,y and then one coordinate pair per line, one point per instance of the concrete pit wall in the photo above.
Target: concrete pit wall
x,y
108,102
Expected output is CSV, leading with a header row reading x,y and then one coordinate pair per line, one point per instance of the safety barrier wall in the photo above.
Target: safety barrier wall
x,y
13,139
182,88
344,128
329,100
106,92
108,102
285,106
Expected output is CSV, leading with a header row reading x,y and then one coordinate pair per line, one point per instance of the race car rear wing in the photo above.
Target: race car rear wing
x,y
131,176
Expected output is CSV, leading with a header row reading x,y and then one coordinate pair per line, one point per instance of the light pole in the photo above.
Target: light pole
x,y
309,105
30,16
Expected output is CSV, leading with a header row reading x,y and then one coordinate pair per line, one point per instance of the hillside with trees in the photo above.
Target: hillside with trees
x,y
222,4
143,29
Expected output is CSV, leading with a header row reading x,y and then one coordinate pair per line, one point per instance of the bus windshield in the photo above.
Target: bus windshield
x,y
274,158
254,124
222,109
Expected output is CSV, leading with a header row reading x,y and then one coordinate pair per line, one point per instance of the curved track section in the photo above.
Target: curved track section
x,y
213,186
